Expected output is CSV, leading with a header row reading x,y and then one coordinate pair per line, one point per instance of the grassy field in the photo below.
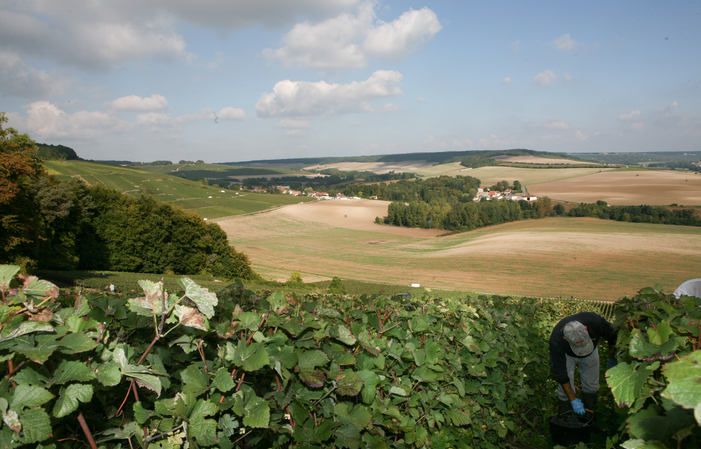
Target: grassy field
x,y
209,202
557,257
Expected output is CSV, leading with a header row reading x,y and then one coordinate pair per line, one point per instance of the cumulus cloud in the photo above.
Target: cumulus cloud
x,y
310,99
296,133
506,80
462,143
348,40
432,141
46,121
629,116
230,113
135,103
516,47
545,78
546,124
564,43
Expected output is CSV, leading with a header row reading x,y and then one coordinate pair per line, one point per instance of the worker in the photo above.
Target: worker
x,y
574,342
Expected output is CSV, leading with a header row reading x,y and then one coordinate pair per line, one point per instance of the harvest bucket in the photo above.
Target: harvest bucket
x,y
569,428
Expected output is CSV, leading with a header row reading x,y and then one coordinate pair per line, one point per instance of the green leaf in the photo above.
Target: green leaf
x,y
68,399
660,335
684,380
223,381
311,359
37,347
398,390
11,419
255,410
29,396
642,349
39,288
251,357
194,380
27,327
140,413
71,371
345,335
141,374
78,324
201,296
36,425
622,380
203,430
312,378
7,273
248,320
277,302
350,384
370,381
108,374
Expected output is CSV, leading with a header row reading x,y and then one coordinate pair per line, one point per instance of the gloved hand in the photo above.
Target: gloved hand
x,y
578,406
611,363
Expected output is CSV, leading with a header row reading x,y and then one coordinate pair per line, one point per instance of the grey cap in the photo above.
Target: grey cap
x,y
578,338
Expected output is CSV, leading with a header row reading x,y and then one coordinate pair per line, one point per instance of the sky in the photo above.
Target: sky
x,y
239,80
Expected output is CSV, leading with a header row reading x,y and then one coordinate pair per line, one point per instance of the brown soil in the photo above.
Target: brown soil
x,y
376,167
653,188
540,160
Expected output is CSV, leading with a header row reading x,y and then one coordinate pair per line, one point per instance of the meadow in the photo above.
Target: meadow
x,y
554,257
207,201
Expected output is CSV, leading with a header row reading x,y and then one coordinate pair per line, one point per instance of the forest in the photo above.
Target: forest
x,y
67,225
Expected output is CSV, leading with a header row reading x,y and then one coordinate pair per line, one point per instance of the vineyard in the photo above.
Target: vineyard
x,y
190,368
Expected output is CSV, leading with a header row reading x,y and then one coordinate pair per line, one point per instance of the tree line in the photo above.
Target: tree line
x,y
68,225
637,214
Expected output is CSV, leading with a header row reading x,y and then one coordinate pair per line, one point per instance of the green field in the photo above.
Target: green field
x,y
215,171
207,201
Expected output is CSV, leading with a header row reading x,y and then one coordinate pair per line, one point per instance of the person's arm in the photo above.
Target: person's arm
x,y
569,392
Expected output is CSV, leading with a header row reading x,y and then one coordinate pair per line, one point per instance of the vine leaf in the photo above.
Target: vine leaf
x,y
190,317
69,397
141,374
202,297
255,410
36,425
196,382
622,380
660,335
251,357
27,327
29,396
350,384
39,288
683,385
71,371
642,349
7,273
108,374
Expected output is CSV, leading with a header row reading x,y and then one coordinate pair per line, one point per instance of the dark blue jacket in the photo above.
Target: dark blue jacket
x,y
597,327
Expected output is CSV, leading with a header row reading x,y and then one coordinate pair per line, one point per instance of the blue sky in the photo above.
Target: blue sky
x,y
235,80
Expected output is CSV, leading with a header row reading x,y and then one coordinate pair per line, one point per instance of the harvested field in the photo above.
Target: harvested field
x,y
375,167
540,160
529,176
626,188
584,258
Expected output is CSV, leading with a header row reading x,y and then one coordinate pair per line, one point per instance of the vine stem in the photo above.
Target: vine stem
x,y
86,430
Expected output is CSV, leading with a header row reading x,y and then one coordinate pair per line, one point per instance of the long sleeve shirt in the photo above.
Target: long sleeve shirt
x,y
597,328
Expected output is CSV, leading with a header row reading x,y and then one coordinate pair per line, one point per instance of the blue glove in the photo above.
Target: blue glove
x,y
578,406
611,363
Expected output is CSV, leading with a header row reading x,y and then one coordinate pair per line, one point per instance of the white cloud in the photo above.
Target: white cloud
x,y
565,43
629,116
399,38
568,77
545,78
494,142
230,113
217,61
348,40
432,141
579,135
516,47
462,143
296,133
293,123
46,121
309,99
99,35
20,80
546,124
135,103
637,126
506,80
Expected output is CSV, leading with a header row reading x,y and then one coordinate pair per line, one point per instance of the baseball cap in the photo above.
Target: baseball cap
x,y
578,338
